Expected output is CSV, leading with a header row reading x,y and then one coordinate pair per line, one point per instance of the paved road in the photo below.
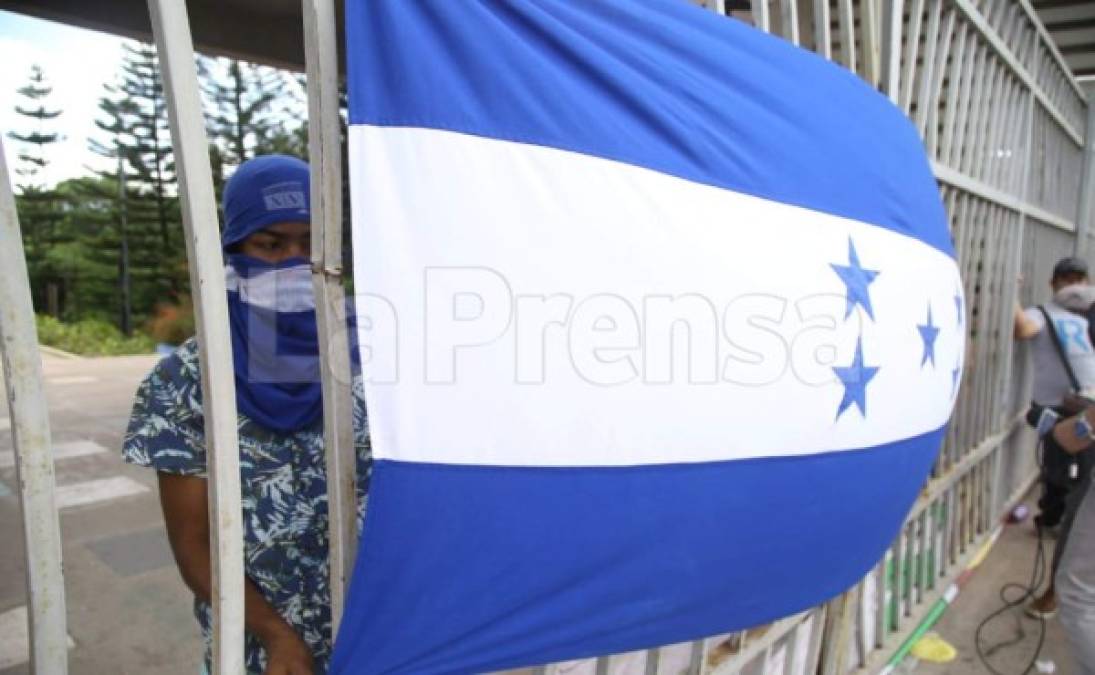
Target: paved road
x,y
128,611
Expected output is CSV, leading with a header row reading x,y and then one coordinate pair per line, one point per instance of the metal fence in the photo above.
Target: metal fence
x,y
1005,126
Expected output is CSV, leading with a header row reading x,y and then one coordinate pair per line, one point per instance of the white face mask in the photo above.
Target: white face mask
x,y
1076,298
286,289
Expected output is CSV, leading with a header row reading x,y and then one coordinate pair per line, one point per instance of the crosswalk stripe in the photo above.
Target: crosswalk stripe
x,y
14,640
95,491
60,451
73,379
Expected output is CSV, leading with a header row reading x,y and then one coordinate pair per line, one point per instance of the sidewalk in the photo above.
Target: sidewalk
x,y
1010,561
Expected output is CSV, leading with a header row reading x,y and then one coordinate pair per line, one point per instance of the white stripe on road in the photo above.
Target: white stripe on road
x,y
14,640
60,451
73,379
95,491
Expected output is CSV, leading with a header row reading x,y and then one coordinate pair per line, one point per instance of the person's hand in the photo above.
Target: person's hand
x,y
287,654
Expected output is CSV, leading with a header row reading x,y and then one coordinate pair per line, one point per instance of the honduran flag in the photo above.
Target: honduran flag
x,y
661,322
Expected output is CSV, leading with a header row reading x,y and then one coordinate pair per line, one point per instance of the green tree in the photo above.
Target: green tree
x,y
135,127
37,204
249,108
84,259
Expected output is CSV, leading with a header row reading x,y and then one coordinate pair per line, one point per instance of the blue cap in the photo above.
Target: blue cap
x,y
263,191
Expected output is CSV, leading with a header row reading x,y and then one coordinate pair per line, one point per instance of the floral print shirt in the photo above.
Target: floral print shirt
x,y
284,490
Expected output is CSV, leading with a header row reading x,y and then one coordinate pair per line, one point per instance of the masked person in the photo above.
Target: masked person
x,y
1064,364
275,349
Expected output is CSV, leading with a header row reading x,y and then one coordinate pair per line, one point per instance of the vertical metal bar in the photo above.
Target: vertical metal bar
x,y
1085,213
817,635
881,625
866,616
924,532
931,47
838,621
992,489
171,27
953,86
978,83
893,19
695,664
325,155
963,108
869,26
932,544
847,34
789,19
601,666
982,149
912,45
761,16
931,129
982,354
1006,122
653,656
948,528
31,439
994,155
824,43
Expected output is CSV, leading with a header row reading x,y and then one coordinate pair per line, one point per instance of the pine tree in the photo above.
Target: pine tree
x,y
38,210
136,128
249,109
85,259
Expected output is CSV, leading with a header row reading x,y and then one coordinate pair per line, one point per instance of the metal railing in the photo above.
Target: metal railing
x,y
1009,134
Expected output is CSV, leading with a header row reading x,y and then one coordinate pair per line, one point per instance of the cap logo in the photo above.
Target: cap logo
x,y
284,196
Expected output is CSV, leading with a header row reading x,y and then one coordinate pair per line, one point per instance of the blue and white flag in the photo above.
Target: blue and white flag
x,y
661,321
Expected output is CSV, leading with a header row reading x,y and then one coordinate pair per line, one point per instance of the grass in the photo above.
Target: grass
x,y
91,337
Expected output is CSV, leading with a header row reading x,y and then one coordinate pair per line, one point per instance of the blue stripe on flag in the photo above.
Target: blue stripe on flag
x,y
477,569
660,84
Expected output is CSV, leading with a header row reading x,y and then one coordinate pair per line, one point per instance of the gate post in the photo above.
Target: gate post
x,y
33,452
1085,216
325,158
171,28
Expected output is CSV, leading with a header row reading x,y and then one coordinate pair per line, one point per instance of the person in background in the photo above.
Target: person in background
x,y
275,348
1075,578
1062,472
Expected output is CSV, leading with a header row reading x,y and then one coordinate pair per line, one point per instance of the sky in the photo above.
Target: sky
x,y
78,63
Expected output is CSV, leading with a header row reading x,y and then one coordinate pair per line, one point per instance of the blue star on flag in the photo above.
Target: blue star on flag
x,y
954,379
958,307
855,378
857,280
928,333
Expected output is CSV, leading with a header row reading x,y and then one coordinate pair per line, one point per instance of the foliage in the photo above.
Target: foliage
x,y
107,248
39,212
34,107
91,337
135,123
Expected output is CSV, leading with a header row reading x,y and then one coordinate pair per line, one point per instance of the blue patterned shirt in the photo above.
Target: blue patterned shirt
x,y
284,490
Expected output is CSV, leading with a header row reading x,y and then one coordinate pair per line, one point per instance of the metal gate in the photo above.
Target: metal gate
x,y
1009,133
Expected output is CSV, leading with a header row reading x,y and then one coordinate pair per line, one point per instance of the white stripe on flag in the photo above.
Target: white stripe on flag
x,y
532,297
